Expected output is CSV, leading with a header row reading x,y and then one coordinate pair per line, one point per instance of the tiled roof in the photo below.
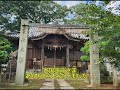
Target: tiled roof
x,y
58,25
35,31
78,36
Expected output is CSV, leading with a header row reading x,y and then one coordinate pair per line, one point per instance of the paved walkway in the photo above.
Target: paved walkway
x,y
49,84
63,84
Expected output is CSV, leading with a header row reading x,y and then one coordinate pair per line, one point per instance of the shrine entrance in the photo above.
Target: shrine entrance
x,y
76,32
54,56
55,50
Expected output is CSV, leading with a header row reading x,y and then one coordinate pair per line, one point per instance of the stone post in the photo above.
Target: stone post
x,y
0,75
94,55
115,77
22,53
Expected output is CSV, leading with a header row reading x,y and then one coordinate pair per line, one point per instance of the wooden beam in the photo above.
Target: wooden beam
x,y
44,35
40,37
55,57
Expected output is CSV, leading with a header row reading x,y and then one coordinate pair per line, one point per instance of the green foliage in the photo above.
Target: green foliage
x,y
5,48
85,50
85,58
104,23
57,73
35,11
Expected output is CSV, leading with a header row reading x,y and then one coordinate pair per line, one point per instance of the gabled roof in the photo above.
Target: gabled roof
x,y
58,25
39,31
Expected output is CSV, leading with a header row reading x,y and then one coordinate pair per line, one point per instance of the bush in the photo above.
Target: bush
x,y
57,73
5,49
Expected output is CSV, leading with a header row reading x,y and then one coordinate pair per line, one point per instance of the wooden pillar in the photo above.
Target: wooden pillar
x,y
67,56
54,57
94,55
42,56
22,53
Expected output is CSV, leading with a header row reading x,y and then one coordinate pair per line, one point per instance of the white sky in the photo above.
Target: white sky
x,y
69,3
114,4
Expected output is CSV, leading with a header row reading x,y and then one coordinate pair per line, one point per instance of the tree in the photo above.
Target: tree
x,y
85,49
102,22
35,11
5,49
106,25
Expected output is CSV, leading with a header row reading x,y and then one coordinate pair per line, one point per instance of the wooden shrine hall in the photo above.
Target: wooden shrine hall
x,y
53,45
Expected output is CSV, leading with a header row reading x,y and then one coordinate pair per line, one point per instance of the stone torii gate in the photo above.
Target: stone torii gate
x,y
22,54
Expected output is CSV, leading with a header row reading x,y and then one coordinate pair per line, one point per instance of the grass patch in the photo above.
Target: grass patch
x,y
32,84
77,84
81,84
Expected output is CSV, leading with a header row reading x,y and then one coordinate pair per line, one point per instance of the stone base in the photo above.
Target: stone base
x,y
89,85
92,86
47,87
67,87
26,84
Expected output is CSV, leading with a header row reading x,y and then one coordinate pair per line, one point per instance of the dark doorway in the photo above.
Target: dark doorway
x,y
55,56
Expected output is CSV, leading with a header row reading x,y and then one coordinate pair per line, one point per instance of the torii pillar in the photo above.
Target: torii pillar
x,y
22,53
94,67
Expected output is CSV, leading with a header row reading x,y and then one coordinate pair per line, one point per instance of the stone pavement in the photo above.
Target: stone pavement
x,y
49,84
63,84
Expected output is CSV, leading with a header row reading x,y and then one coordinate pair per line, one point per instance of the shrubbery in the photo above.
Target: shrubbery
x,y
5,49
57,73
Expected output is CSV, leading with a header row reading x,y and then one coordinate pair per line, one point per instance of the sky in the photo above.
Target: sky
x,y
113,5
68,3
71,3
